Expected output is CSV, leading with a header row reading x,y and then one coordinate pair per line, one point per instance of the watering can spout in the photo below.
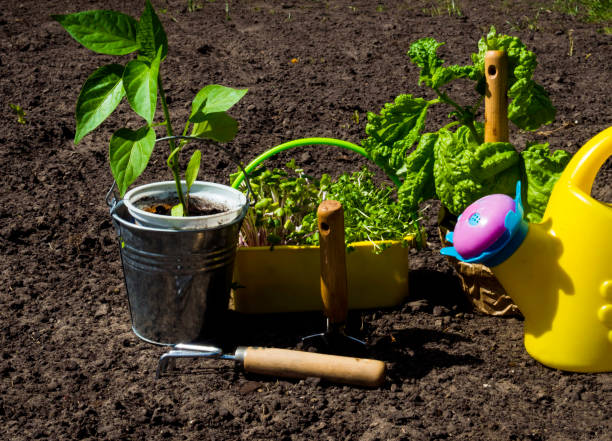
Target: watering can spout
x,y
558,271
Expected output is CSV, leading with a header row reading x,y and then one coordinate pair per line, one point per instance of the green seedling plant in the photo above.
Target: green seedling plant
x,y
453,164
140,82
286,211
18,110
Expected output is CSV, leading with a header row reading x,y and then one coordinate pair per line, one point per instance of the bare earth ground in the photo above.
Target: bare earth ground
x,y
70,367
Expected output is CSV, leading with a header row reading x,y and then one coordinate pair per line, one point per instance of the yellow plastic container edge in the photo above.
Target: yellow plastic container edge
x,y
286,278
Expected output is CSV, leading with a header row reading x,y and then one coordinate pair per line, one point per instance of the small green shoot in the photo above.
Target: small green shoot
x,y
193,5
17,110
444,7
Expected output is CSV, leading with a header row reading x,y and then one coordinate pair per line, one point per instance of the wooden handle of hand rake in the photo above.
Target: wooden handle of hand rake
x,y
334,291
298,364
496,100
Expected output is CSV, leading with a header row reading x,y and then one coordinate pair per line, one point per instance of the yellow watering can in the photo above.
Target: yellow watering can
x,y
559,272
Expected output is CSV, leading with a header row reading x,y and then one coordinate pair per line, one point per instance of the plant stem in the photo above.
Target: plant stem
x,y
174,165
465,116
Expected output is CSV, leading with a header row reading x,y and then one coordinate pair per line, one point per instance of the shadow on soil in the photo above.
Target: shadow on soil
x,y
409,353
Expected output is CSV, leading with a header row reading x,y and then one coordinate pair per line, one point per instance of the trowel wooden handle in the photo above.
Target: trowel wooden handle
x,y
298,364
334,291
496,100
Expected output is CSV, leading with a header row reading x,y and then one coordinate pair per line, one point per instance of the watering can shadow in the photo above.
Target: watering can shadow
x,y
558,272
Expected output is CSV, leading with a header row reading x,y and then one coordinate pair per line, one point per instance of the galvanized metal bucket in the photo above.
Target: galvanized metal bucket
x,y
178,281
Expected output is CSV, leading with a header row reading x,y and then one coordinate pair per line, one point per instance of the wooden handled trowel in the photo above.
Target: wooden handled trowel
x,y
286,363
334,291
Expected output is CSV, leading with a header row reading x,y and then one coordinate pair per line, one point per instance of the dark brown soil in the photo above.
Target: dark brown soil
x,y
70,366
197,206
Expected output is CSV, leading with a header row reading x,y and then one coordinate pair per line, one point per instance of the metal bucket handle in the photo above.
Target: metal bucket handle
x,y
112,199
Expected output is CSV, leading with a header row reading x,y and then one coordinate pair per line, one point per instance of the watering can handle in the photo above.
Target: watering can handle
x,y
585,164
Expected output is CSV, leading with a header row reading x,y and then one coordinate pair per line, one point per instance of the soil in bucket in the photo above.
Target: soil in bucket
x,y
197,206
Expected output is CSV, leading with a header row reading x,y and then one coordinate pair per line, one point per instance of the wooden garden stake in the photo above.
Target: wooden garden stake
x,y
496,99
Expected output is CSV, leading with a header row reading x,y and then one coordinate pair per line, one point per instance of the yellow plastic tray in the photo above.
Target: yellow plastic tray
x,y
287,278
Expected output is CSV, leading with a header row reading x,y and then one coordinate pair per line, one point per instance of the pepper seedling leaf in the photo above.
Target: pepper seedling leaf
x,y
177,210
214,99
193,168
218,126
140,84
100,95
129,154
150,34
105,32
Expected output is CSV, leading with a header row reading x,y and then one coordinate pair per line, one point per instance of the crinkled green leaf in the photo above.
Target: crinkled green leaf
x,y
105,32
392,133
419,184
530,107
193,168
214,98
521,61
423,53
129,154
433,74
140,84
465,171
150,34
218,126
445,75
542,170
100,95
492,158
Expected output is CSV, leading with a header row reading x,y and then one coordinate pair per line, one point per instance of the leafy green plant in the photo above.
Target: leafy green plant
x,y
140,82
453,164
286,211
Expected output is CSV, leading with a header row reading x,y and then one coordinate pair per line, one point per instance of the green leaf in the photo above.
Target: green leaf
x,y
423,53
530,107
150,34
542,171
129,154
177,210
465,171
100,95
445,75
140,84
105,32
395,131
521,61
193,168
214,99
419,184
219,127
492,158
